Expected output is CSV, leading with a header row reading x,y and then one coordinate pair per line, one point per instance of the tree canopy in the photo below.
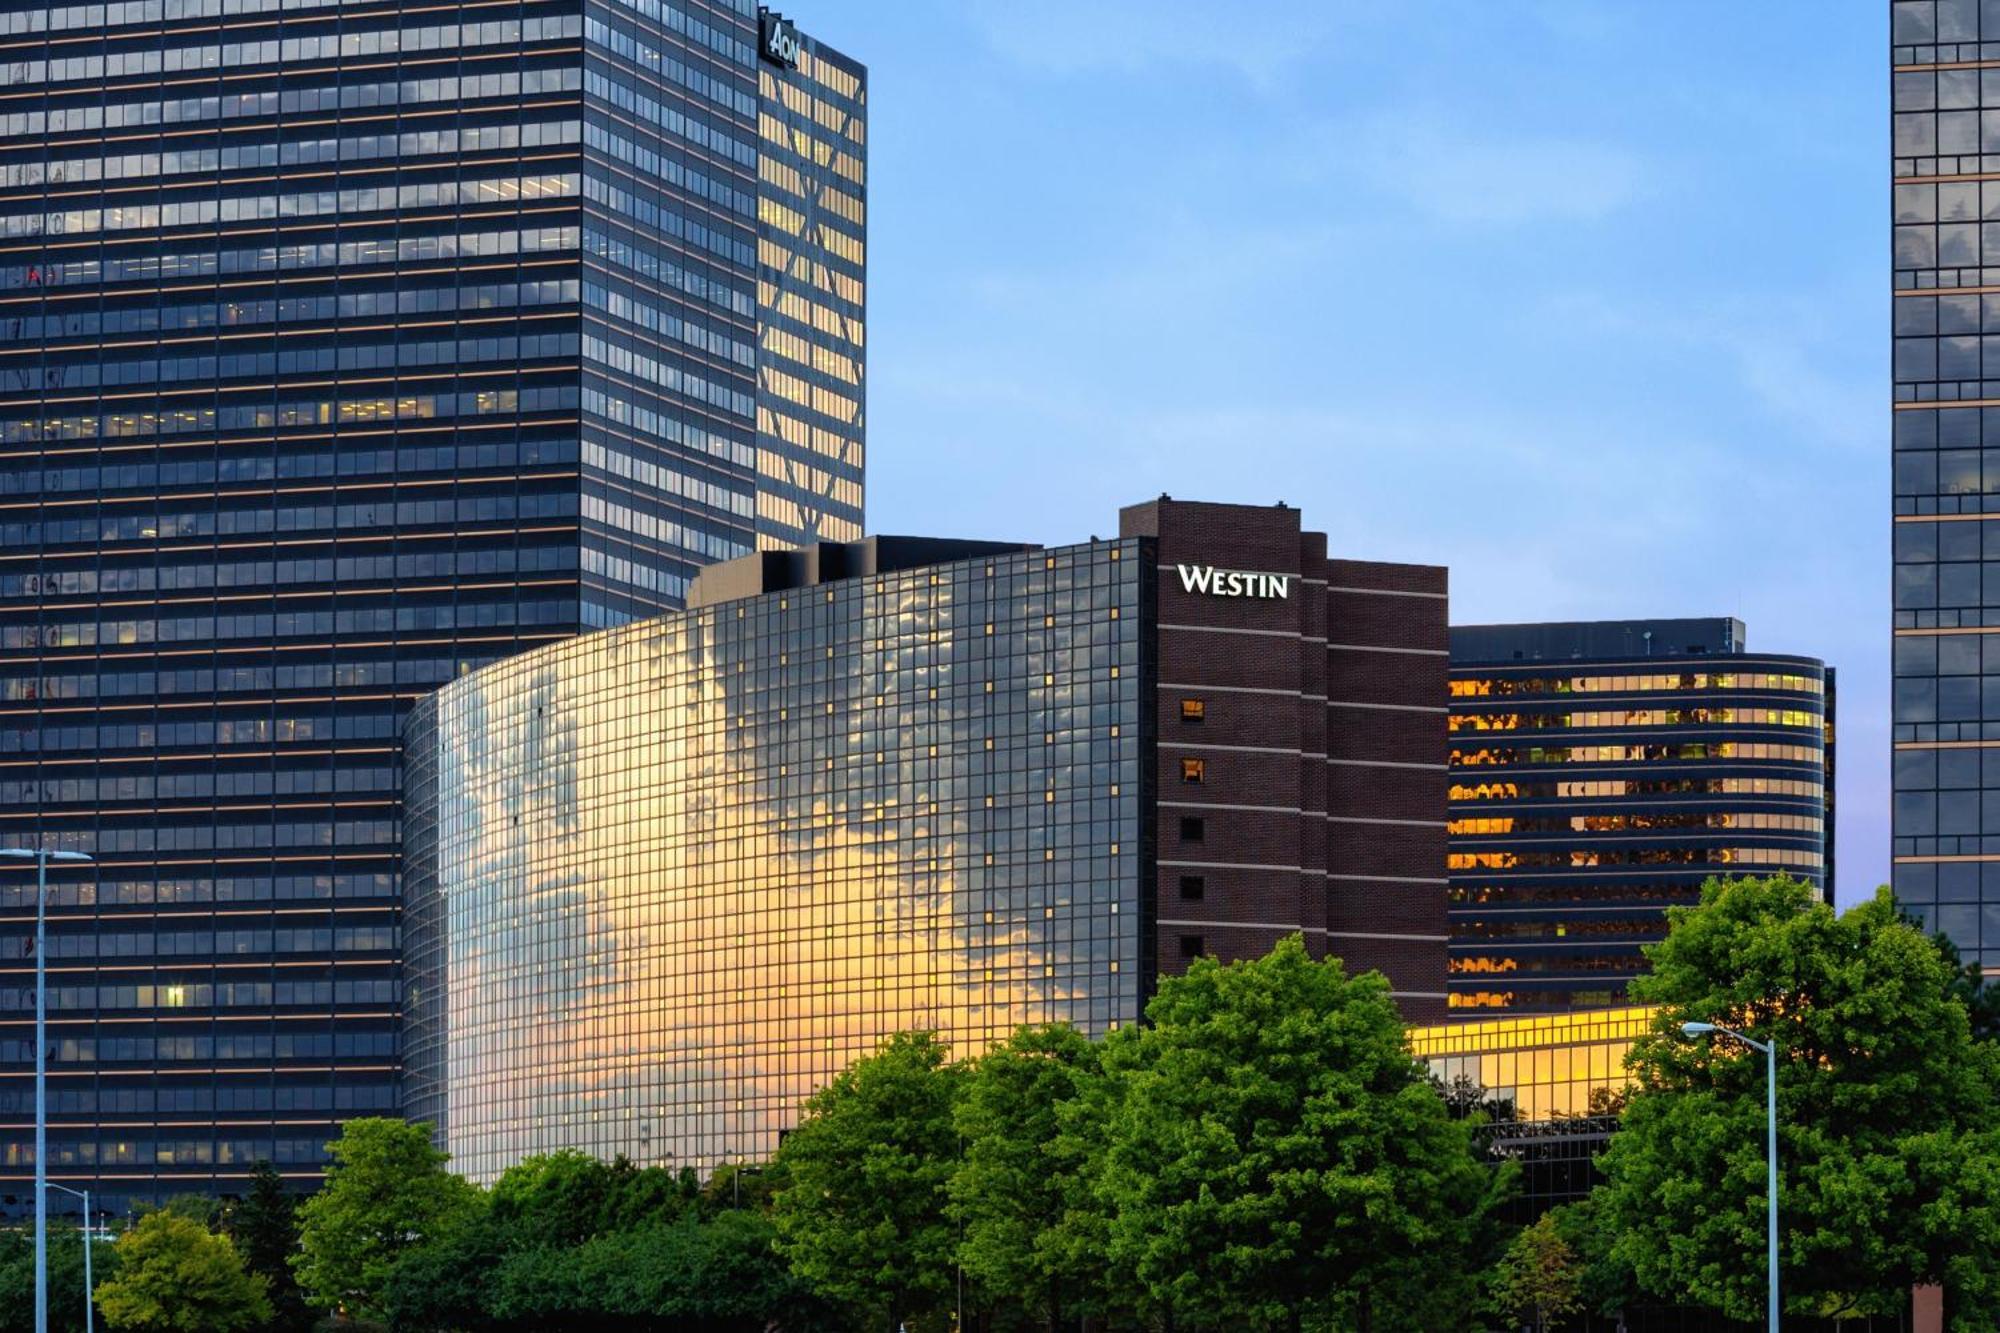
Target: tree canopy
x,y
176,1276
387,1191
1888,1110
861,1216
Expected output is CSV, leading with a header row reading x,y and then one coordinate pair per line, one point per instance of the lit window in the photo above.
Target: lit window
x,y
1194,770
1194,711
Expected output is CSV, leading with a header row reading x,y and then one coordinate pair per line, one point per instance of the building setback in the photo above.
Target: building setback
x,y
1602,771
343,350
1945,837
667,879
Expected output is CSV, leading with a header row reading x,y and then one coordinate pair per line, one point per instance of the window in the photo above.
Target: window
x,y
1194,770
1191,946
1192,829
1193,888
1193,711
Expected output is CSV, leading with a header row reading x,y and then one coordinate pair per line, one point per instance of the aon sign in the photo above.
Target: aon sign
x,y
1233,583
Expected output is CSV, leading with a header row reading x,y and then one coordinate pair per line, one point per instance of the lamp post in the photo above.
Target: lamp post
x,y
1770,1050
89,1289
41,856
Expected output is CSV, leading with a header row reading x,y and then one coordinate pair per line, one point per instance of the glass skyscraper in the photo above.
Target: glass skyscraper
x,y
1945,57
1600,772
345,349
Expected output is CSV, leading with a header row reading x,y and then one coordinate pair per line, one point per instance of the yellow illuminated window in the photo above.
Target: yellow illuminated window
x,y
1194,770
1193,711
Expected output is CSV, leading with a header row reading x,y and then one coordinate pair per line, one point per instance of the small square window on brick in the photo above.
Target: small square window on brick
x,y
1191,946
1193,829
1194,770
1193,888
1194,711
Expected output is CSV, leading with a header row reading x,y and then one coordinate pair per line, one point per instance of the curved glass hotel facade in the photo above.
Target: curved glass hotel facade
x,y
664,880
1600,773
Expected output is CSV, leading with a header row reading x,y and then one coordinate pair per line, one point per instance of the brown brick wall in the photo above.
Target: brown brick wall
x,y
1371,893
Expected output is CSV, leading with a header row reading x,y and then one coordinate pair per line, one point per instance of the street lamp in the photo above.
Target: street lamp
x,y
1770,1050
41,856
89,1304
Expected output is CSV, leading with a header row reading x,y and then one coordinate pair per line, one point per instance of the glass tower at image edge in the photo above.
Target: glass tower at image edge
x,y
1600,771
1945,168
345,349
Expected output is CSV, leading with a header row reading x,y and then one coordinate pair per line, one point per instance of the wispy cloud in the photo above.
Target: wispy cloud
x,y
1064,38
1471,175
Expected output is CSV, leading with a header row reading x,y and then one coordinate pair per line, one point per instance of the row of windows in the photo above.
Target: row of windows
x,y
1474,687
513,85
348,255
274,886
208,995
195,786
1638,856
1694,819
224,1046
328,46
316,203
663,166
260,574
293,624
238,522
1946,699
1606,754
1926,767
409,300
216,943
193,465
349,353
245,155
1949,814
266,416
1635,717
106,1150
345,833
1597,788
620,305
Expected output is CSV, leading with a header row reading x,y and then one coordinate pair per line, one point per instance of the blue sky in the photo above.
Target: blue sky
x,y
1586,299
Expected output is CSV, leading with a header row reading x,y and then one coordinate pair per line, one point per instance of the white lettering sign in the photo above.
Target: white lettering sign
x,y
1233,582
781,40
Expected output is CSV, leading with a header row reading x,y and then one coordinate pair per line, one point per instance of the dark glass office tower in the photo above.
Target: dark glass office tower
x,y
342,350
1946,729
1599,773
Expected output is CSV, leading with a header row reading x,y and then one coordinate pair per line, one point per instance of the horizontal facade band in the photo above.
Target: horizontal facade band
x,y
1385,648
1392,879
1947,745
1237,865
1426,995
1385,935
1249,809
1388,708
1255,633
1938,860
1242,749
1952,402
1389,763
1250,689
1390,592
1246,925
1406,823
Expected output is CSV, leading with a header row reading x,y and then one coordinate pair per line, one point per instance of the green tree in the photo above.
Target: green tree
x,y
175,1274
861,1211
387,1191
1888,1109
1014,1187
1540,1277
1277,1158
264,1225
66,1288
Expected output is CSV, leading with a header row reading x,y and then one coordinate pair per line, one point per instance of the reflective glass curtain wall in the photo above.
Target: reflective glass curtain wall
x,y
1945,58
668,879
342,350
